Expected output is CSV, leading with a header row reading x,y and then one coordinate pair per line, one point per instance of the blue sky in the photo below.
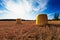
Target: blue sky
x,y
28,9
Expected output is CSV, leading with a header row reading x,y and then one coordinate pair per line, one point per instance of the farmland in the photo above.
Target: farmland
x,y
28,30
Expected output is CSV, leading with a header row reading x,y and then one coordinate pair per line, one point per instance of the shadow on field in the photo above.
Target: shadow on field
x,y
55,25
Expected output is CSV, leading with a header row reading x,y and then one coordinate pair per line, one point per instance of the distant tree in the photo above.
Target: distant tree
x,y
56,16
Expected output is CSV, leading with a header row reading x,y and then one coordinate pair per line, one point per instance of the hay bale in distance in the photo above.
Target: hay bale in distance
x,y
18,21
41,19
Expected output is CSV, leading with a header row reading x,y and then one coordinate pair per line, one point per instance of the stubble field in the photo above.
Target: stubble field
x,y
28,30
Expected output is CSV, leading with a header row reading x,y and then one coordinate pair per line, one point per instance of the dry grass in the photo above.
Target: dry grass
x,y
29,31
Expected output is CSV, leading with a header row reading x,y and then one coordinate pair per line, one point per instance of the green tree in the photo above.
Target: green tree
x,y
56,16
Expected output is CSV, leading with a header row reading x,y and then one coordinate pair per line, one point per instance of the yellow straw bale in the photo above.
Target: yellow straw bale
x,y
18,21
41,19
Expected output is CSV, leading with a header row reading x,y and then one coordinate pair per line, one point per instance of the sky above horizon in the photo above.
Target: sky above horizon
x,y
28,9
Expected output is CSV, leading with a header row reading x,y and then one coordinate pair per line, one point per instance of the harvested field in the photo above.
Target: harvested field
x,y
28,30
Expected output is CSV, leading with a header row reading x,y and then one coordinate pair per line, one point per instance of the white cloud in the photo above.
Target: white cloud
x,y
42,5
50,15
23,9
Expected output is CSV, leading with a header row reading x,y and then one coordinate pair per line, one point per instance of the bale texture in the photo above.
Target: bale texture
x,y
18,21
41,19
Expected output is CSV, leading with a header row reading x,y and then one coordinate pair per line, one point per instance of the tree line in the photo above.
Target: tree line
x,y
56,16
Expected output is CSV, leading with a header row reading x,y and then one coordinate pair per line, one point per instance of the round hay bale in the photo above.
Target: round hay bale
x,y
41,19
18,21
